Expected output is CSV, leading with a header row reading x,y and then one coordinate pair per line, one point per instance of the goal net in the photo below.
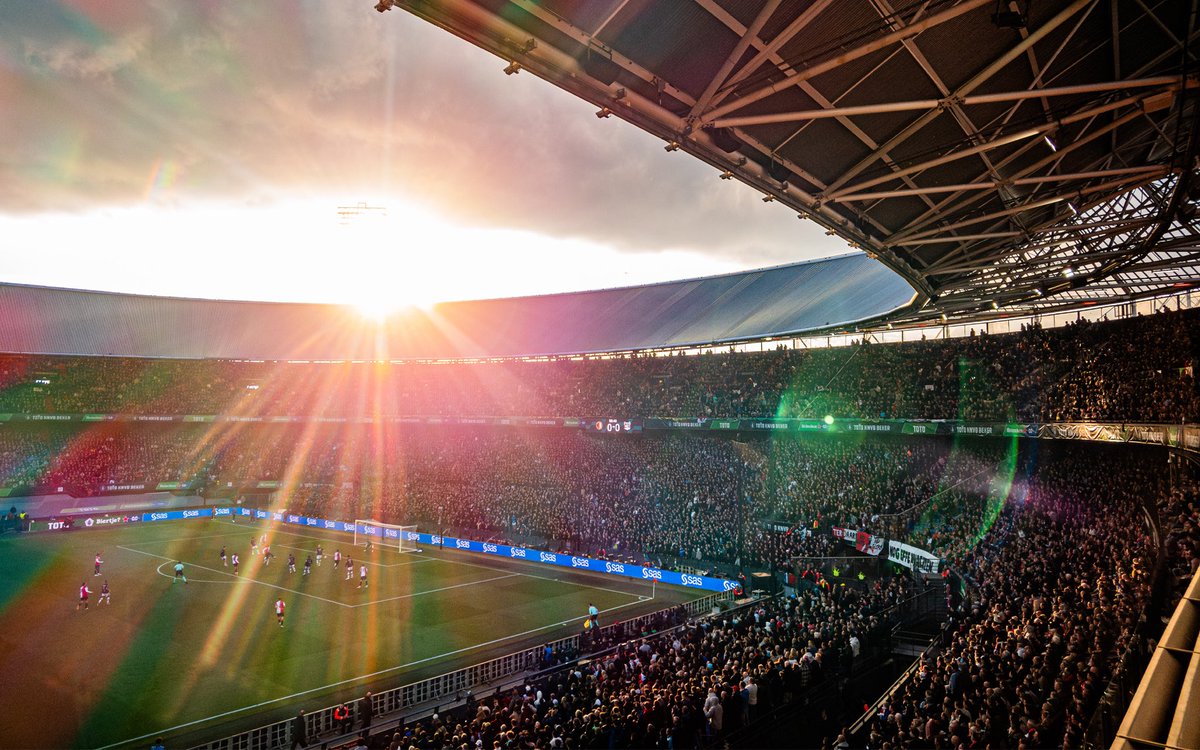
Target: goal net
x,y
389,535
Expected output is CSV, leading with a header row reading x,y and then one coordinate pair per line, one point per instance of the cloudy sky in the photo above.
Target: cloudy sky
x,y
204,148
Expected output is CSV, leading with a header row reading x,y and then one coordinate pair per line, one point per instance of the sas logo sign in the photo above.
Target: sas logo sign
x,y
549,557
158,516
310,522
487,547
654,573
611,567
462,544
579,562
729,585
293,519
691,580
517,552
435,540
331,524
191,514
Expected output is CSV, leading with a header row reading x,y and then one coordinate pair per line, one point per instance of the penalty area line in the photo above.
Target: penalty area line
x,y
348,681
240,578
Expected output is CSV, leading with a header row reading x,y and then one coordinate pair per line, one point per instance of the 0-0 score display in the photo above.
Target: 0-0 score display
x,y
613,425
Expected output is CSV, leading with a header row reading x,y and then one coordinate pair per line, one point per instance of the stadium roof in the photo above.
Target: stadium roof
x,y
1004,156
717,309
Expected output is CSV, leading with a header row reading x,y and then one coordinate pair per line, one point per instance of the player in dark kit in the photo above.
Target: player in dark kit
x,y
320,554
291,563
105,595
308,565
349,568
223,556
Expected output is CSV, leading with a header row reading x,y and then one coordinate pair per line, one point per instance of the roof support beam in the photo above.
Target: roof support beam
x,y
769,50
992,184
835,62
1047,201
1171,82
975,82
735,54
1003,140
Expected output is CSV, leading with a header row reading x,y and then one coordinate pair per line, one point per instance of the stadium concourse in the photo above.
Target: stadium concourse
x,y
1062,557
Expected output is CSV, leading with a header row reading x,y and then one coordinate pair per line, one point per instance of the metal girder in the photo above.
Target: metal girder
x,y
917,180
854,54
1170,82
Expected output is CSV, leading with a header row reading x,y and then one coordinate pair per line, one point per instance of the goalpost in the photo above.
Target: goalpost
x,y
388,535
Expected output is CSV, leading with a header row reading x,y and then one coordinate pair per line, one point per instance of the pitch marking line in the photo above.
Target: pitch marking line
x,y
349,680
194,580
432,591
314,596
485,567
374,564
238,577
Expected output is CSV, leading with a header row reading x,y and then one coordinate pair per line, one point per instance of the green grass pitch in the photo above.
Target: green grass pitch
x,y
207,659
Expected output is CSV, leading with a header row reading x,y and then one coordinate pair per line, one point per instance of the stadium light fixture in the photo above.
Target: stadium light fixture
x,y
671,146
385,5
726,175
1050,142
768,198
603,113
512,68
829,419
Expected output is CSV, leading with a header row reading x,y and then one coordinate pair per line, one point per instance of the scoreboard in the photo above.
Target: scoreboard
x,y
612,425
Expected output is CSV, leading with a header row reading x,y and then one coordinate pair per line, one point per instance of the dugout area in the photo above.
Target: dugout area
x,y
207,658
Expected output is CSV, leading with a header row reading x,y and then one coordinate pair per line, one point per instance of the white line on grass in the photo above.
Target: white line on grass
x,y
349,680
375,564
245,578
485,567
433,591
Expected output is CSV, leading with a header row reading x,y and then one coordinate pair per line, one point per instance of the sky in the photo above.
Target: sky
x,y
203,149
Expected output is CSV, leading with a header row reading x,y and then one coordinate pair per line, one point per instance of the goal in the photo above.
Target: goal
x,y
388,535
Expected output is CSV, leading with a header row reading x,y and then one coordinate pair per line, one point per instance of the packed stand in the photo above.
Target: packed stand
x,y
1133,370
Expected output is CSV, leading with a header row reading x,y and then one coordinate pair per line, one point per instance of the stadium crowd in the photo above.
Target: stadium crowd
x,y
1050,538
665,499
1136,370
684,688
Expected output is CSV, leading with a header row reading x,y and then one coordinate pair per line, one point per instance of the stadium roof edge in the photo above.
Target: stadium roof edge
x,y
779,301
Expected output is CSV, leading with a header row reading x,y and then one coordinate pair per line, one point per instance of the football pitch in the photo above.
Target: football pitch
x,y
208,658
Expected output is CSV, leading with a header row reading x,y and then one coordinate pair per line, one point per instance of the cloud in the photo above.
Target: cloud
x,y
260,101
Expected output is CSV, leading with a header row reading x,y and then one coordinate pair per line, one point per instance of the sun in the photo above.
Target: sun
x,y
379,308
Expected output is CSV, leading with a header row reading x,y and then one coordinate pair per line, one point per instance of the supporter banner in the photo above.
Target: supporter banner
x,y
724,424
98,417
810,425
913,558
868,543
